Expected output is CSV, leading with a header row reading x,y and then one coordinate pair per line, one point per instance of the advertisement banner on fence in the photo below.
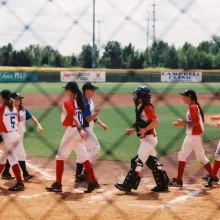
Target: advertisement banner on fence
x,y
181,77
83,76
18,77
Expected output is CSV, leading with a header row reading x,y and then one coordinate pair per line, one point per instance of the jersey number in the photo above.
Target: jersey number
x,y
12,119
79,116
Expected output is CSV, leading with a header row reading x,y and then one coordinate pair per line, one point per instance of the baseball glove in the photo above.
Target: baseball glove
x,y
141,124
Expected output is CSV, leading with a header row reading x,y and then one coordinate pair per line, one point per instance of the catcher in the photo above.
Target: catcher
x,y
146,121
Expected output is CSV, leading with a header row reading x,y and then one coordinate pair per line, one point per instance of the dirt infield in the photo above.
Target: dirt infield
x,y
111,100
192,201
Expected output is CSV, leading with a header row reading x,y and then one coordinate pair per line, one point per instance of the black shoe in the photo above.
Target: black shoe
x,y
123,188
17,187
7,176
82,178
54,187
92,187
175,183
159,189
206,178
27,177
212,182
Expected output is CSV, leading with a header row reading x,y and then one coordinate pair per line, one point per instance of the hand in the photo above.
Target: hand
x,y
83,134
214,118
175,124
218,124
104,126
142,132
40,129
129,132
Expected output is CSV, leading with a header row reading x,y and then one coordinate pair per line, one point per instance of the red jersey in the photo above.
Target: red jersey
x,y
148,114
8,119
194,115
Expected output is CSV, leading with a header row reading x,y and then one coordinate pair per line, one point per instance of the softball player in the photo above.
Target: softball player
x,y
25,115
194,124
146,121
9,124
89,118
216,166
73,139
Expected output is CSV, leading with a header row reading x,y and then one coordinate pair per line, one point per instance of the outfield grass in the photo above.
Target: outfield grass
x,y
113,140
56,88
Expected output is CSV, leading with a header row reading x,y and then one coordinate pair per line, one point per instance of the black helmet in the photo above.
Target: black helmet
x,y
143,93
72,86
16,95
89,86
5,94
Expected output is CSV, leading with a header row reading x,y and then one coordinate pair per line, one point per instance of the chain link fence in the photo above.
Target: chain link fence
x,y
66,26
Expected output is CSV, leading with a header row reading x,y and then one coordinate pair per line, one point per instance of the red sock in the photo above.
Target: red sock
x,y
2,166
216,167
17,173
59,171
208,167
89,170
181,167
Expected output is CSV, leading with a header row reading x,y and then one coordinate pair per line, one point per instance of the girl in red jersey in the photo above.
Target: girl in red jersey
x,y
73,139
194,124
9,121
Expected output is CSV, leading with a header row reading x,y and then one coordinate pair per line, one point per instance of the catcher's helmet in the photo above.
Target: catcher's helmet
x,y
143,93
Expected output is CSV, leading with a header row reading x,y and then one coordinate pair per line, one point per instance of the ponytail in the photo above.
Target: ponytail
x,y
201,111
79,100
10,104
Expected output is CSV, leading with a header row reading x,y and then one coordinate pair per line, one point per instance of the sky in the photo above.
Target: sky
x,y
67,24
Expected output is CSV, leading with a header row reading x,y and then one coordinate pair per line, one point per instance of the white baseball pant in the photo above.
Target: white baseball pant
x,y
217,153
19,149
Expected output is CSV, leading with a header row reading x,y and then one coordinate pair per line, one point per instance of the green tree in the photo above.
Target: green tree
x,y
205,61
171,58
85,57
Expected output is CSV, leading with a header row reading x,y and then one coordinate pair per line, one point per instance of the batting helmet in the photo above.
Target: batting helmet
x,y
142,93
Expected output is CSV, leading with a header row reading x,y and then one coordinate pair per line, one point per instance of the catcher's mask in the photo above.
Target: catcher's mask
x,y
142,94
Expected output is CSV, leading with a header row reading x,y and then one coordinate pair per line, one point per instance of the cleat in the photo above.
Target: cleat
x,y
175,183
54,187
7,176
81,178
92,187
159,189
212,182
27,177
123,188
206,178
17,187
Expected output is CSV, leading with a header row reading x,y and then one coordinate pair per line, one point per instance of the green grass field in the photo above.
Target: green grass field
x,y
113,140
56,88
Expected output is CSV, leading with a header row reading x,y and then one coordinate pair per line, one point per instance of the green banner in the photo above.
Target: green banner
x,y
18,77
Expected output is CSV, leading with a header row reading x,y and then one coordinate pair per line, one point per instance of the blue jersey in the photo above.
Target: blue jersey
x,y
89,110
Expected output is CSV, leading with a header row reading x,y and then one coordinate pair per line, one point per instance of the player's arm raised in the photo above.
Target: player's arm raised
x,y
37,123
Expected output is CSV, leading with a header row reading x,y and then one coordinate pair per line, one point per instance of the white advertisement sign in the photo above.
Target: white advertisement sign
x,y
83,76
181,77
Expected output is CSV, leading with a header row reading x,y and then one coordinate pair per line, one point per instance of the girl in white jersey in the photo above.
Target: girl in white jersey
x,y
194,124
73,139
25,115
9,122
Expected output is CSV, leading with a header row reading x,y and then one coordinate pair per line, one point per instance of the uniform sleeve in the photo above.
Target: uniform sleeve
x,y
87,111
28,115
194,113
150,112
70,108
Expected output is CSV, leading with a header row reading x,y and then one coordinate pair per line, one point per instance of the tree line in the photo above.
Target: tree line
x,y
160,54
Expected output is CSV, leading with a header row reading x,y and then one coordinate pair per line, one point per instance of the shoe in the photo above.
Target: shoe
x,y
54,187
27,177
123,188
17,187
92,187
7,176
82,178
159,189
206,178
175,183
212,182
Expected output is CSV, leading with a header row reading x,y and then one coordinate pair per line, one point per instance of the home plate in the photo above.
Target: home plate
x,y
82,190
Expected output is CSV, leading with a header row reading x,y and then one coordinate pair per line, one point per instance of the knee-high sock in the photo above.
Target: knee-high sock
x,y
59,171
89,169
23,167
216,167
181,167
79,169
7,168
208,167
2,166
17,173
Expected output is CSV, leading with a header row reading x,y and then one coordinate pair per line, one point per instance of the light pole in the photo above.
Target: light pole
x,y
93,40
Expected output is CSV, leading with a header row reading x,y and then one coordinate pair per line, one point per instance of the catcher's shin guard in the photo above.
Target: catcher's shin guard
x,y
132,180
